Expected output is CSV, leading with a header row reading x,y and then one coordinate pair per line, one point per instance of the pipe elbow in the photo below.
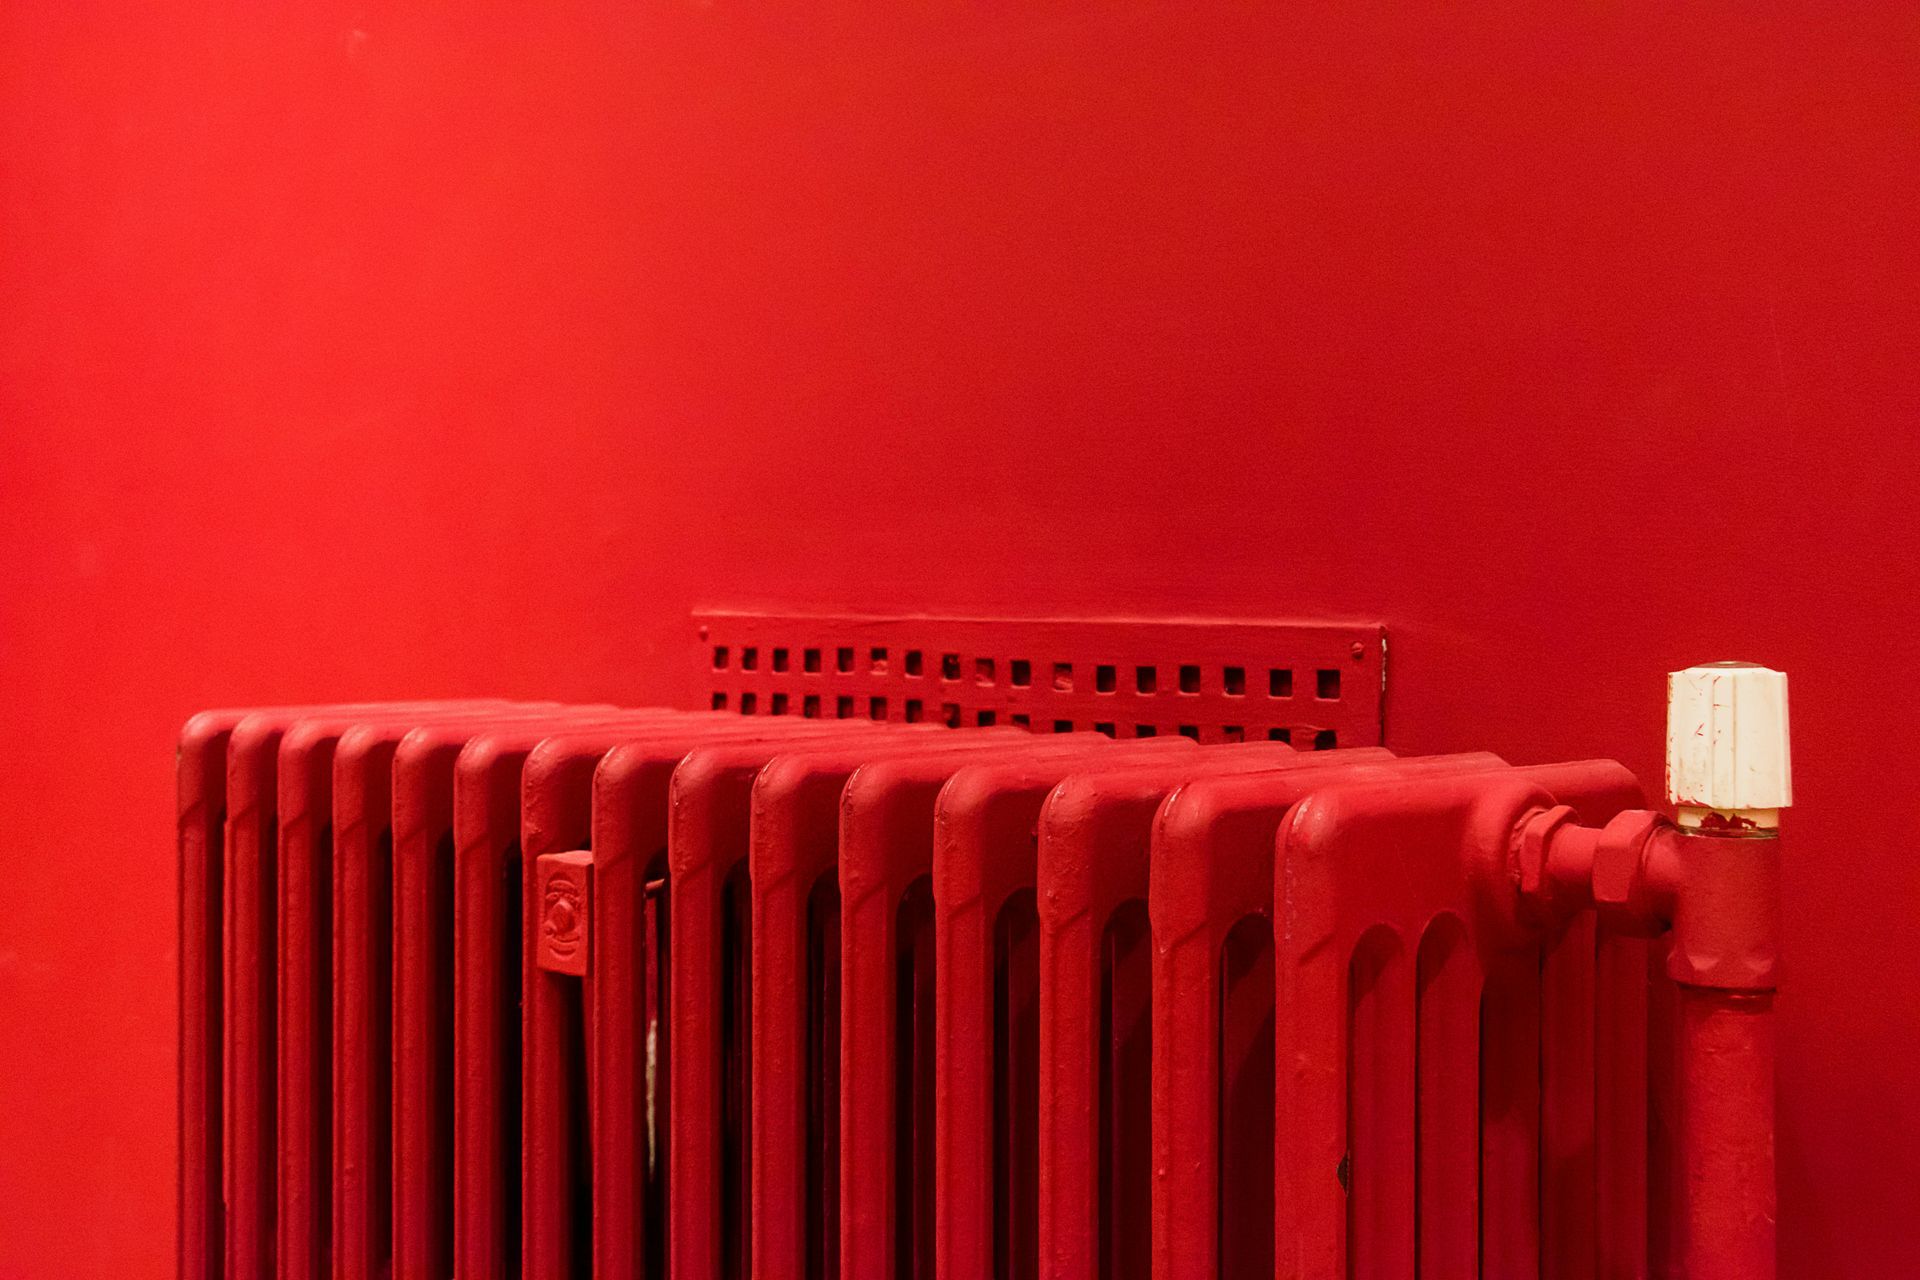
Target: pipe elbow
x,y
1722,897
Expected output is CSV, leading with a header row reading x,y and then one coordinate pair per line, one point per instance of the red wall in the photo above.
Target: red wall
x,y
375,349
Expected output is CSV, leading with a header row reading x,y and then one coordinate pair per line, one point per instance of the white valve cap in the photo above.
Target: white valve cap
x,y
1727,743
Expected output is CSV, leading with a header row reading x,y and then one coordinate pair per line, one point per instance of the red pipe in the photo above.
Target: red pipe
x,y
1726,1133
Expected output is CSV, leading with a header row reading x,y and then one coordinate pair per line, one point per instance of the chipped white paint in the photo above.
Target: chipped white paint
x,y
1727,743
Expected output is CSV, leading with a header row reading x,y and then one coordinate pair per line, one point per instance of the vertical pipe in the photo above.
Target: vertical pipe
x,y
1726,1133
1729,772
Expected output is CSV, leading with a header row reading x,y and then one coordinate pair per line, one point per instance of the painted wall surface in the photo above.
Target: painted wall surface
x,y
365,350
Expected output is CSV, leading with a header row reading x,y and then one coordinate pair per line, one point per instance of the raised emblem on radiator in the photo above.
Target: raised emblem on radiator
x,y
566,890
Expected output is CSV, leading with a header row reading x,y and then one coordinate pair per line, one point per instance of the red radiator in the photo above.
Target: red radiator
x,y
486,989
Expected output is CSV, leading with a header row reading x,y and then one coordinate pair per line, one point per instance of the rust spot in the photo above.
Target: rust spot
x,y
1727,822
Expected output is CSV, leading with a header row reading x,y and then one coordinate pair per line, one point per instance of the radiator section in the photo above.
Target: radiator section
x,y
520,989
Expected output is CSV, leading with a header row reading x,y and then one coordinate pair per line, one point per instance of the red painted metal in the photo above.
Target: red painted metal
x,y
423,988
1314,684
632,1052
489,923
1095,1104
1718,892
386,987
200,829
1390,896
333,846
564,885
581,1039
1379,929
860,1001
888,977
1210,896
1727,1068
708,1222
363,1046
248,985
263,934
709,967
795,1088
987,995
558,1012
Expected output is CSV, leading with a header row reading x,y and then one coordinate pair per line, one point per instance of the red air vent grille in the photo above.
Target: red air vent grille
x,y
489,989
1311,685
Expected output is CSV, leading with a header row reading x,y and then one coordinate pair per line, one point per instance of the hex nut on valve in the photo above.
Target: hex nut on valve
x,y
1621,891
1530,853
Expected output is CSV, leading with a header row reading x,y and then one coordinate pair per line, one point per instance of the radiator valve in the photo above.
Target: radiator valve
x,y
1728,767
1711,875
